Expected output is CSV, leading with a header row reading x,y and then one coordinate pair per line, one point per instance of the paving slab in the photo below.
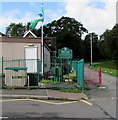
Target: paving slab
x,y
37,92
41,94
71,96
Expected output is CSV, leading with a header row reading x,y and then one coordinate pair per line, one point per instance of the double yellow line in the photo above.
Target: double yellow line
x,y
54,103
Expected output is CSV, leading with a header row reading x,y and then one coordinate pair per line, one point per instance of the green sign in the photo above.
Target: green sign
x,y
65,53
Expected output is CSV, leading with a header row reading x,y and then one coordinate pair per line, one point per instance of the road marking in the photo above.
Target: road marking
x,y
47,101
13,100
86,102
53,102
39,101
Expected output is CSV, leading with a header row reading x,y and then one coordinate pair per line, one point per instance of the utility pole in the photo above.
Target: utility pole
x,y
91,47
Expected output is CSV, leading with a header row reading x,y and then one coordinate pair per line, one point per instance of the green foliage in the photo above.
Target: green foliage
x,y
83,99
68,33
62,99
95,48
71,76
65,77
109,67
15,29
110,43
10,88
46,81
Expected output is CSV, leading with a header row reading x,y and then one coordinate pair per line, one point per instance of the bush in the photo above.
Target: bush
x,y
65,76
46,81
72,76
10,88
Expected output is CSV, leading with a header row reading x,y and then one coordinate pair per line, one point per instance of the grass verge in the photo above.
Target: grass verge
x,y
109,67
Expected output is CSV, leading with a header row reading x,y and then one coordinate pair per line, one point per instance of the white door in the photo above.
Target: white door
x,y
31,59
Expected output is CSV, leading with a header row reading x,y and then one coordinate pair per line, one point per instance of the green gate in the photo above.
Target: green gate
x,y
68,70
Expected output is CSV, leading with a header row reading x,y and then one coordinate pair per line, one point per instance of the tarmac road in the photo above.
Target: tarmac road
x,y
35,109
104,105
106,98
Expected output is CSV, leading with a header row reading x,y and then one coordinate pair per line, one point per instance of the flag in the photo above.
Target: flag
x,y
34,23
41,19
41,15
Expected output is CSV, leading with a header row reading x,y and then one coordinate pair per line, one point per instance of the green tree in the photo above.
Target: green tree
x,y
110,43
64,24
87,47
68,33
15,29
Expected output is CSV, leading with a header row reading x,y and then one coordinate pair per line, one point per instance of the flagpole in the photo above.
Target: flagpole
x,y
42,47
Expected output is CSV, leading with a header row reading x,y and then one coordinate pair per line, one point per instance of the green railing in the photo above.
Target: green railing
x,y
33,69
73,67
78,68
58,66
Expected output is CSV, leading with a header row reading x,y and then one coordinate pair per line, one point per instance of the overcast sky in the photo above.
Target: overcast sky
x,y
95,15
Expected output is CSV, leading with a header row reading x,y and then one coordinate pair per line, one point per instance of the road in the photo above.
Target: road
x,y
103,105
105,98
53,109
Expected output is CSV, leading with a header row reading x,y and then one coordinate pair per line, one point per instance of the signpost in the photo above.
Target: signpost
x,y
65,53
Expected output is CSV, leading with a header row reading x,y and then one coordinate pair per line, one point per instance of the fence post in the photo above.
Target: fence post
x,y
100,76
80,73
37,70
2,72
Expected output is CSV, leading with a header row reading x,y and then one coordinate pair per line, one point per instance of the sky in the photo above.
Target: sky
x,y
95,15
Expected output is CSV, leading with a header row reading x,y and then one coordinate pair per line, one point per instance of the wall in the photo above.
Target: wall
x,y
15,50
46,60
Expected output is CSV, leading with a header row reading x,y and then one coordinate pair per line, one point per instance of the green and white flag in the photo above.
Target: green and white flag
x,y
41,19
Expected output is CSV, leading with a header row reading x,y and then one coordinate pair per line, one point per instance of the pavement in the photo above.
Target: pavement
x,y
45,94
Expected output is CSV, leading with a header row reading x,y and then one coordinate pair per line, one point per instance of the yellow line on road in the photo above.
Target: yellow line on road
x,y
86,102
13,100
46,101
54,102
38,101
67,102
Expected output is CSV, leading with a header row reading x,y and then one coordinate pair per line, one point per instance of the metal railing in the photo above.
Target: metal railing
x,y
67,67
12,71
93,76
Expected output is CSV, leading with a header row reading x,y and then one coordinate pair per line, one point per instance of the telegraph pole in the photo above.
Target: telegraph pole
x,y
91,47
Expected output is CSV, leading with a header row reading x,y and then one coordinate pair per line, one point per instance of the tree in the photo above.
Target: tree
x,y
110,42
15,29
64,24
87,47
68,33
